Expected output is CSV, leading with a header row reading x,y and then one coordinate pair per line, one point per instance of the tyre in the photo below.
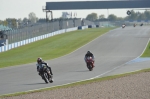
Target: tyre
x,y
45,78
50,79
90,67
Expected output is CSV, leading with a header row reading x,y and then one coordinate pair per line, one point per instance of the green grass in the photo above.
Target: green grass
x,y
50,48
147,51
76,83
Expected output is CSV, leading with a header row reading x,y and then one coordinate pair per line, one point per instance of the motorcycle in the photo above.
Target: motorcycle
x,y
141,24
90,63
123,26
134,25
45,74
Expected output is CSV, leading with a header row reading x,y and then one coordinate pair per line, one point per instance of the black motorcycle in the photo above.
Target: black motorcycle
x,y
45,74
141,24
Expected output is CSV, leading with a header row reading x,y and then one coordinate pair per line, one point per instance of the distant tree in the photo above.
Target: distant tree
x,y
102,16
92,17
142,16
32,17
14,23
25,20
5,23
120,18
127,18
1,22
19,22
134,15
147,14
112,17
138,16
9,20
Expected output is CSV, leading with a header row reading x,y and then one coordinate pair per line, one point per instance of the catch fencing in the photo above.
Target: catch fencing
x,y
32,33
30,40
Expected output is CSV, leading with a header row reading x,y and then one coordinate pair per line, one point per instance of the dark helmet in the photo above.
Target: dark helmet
x,y
88,52
39,60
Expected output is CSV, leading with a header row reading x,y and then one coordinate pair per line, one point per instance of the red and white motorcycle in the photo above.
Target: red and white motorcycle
x,y
90,63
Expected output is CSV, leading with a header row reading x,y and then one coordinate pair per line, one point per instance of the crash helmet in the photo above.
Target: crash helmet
x,y
88,52
39,59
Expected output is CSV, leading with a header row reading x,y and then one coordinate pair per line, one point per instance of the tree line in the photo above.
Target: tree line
x,y
133,16
16,23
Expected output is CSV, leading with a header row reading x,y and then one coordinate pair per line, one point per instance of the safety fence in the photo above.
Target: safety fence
x,y
33,39
34,30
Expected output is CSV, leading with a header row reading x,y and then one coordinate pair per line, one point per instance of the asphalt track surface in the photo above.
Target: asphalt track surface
x,y
115,52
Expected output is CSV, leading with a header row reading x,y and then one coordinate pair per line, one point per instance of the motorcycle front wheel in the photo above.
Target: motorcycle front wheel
x,y
50,79
90,67
45,78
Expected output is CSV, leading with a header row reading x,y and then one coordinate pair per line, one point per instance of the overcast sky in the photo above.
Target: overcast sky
x,y
22,8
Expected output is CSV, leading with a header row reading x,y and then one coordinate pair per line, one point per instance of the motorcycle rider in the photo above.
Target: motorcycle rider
x,y
40,62
123,26
89,54
134,25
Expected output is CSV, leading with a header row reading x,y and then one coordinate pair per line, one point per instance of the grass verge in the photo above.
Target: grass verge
x,y
147,51
76,83
50,48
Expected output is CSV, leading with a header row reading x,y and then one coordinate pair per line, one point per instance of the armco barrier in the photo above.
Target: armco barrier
x,y
27,41
82,27
91,26
79,27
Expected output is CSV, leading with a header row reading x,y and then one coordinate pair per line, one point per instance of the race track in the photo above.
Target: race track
x,y
113,54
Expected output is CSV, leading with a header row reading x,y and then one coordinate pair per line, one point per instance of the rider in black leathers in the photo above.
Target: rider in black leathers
x,y
39,62
89,54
